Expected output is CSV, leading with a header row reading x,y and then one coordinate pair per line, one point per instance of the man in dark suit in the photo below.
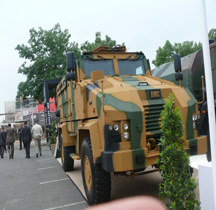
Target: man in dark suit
x,y
3,129
10,139
2,143
19,131
26,137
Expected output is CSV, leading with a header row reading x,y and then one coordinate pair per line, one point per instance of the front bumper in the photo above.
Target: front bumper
x,y
197,146
123,160
139,159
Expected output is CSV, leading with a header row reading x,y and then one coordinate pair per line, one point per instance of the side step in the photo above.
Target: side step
x,y
75,156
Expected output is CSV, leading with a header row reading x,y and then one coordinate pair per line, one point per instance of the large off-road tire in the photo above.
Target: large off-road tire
x,y
208,154
67,161
96,181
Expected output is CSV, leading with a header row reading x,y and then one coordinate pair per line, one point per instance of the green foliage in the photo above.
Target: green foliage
x,y
212,33
187,48
52,131
87,46
46,56
177,191
165,54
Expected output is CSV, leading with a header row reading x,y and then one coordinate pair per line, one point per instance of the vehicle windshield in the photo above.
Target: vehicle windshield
x,y
131,67
97,65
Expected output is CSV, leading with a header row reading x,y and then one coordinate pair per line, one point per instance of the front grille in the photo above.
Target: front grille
x,y
153,119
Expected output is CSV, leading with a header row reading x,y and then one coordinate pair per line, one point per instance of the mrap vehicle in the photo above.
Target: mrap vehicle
x,y
109,107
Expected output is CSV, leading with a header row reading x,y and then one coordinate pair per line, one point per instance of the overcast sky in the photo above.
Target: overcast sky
x,y
143,25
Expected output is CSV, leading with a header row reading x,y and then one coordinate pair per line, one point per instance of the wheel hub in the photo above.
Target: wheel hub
x,y
87,173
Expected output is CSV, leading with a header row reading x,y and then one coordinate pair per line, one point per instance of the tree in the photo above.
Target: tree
x,y
46,55
177,191
87,46
187,48
165,54
212,33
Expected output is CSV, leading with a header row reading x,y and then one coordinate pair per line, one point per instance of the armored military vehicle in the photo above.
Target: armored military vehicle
x,y
109,106
193,79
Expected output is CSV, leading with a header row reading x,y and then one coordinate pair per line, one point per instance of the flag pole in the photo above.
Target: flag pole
x,y
209,92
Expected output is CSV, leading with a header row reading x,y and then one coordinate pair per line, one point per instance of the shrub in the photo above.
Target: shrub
x,y
52,130
177,190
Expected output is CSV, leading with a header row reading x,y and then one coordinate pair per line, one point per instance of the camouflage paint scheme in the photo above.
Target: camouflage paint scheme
x,y
134,98
192,69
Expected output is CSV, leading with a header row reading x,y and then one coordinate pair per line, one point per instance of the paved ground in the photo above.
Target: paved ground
x,y
40,183
36,183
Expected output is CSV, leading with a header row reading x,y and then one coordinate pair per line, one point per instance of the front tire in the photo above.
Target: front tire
x,y
67,161
96,181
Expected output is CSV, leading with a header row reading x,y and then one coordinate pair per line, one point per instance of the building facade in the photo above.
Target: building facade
x,y
10,111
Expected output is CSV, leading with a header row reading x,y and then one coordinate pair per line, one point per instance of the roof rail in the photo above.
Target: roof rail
x,y
102,49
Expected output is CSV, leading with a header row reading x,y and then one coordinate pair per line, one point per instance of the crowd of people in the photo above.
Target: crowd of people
x,y
8,137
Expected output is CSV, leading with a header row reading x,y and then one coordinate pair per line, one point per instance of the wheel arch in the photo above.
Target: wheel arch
x,y
91,129
67,139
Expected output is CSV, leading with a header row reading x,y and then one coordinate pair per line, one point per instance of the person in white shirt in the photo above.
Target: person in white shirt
x,y
37,134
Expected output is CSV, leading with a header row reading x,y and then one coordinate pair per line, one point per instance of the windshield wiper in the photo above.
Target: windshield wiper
x,y
124,59
101,57
136,58
92,59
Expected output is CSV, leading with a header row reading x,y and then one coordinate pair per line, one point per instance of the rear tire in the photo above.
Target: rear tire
x,y
208,154
96,181
67,161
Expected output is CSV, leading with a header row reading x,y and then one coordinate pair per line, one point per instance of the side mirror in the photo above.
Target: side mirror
x,y
177,63
70,76
178,76
71,63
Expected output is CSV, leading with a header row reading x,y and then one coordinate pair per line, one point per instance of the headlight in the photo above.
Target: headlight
x,y
126,135
194,117
116,127
110,127
125,126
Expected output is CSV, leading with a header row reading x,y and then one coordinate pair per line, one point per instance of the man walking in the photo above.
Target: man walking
x,y
19,131
10,133
2,143
37,134
26,137
3,129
